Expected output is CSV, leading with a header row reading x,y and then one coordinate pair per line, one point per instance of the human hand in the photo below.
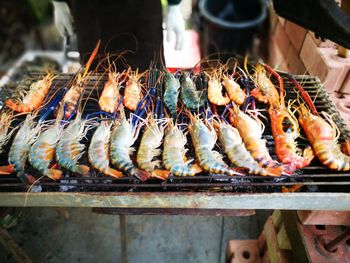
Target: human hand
x,y
63,18
175,23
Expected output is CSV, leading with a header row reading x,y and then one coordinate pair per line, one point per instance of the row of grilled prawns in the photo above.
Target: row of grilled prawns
x,y
241,140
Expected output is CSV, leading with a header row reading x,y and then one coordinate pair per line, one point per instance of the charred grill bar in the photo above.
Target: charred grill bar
x,y
322,189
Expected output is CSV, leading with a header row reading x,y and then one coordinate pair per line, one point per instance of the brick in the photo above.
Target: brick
x,y
294,63
342,103
319,217
273,18
345,88
314,241
319,42
243,251
281,38
312,59
343,106
296,34
337,68
266,258
275,58
282,20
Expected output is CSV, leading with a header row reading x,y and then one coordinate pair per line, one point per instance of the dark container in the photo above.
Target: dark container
x,y
229,26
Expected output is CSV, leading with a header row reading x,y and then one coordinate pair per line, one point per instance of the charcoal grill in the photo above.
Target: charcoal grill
x,y
322,189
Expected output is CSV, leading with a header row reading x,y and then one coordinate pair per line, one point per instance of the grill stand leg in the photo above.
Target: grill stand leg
x,y
62,212
17,252
123,245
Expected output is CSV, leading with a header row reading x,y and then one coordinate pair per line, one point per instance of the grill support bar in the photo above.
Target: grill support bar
x,y
195,200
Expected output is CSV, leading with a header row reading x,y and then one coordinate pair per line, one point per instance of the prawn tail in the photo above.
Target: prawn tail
x,y
18,106
287,169
161,174
54,174
345,147
196,168
7,169
82,169
113,172
274,171
26,178
309,155
142,175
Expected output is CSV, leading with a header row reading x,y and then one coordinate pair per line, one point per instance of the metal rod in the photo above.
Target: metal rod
x,y
332,246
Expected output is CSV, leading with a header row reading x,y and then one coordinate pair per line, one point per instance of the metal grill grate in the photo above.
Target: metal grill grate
x,y
314,178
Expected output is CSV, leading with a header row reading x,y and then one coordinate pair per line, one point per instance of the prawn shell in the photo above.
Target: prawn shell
x,y
322,137
132,94
150,141
21,143
122,140
109,98
69,149
174,153
192,98
203,141
35,97
42,152
171,93
215,93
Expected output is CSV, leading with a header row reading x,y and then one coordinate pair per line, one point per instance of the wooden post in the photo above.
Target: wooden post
x,y
17,252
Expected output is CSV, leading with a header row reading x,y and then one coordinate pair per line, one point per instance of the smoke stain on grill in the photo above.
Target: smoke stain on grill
x,y
314,178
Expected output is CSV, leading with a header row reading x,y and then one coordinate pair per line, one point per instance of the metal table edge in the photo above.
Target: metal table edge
x,y
197,200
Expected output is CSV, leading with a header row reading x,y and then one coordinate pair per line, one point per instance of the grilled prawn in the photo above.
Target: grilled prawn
x,y
215,90
171,93
133,91
233,146
35,97
151,140
71,98
251,129
69,149
20,147
122,139
323,135
234,91
42,152
192,98
110,96
98,152
204,139
174,153
5,123
284,125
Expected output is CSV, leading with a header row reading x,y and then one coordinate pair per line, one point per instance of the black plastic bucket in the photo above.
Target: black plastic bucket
x,y
230,25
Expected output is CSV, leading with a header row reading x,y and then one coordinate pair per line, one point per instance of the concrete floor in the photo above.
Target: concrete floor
x,y
89,237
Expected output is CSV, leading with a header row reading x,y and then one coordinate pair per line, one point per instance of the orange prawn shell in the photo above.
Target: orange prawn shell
x,y
315,128
234,91
323,138
110,95
285,146
215,93
37,93
266,90
132,93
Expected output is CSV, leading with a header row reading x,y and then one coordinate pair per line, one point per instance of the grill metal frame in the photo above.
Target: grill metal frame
x,y
200,192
